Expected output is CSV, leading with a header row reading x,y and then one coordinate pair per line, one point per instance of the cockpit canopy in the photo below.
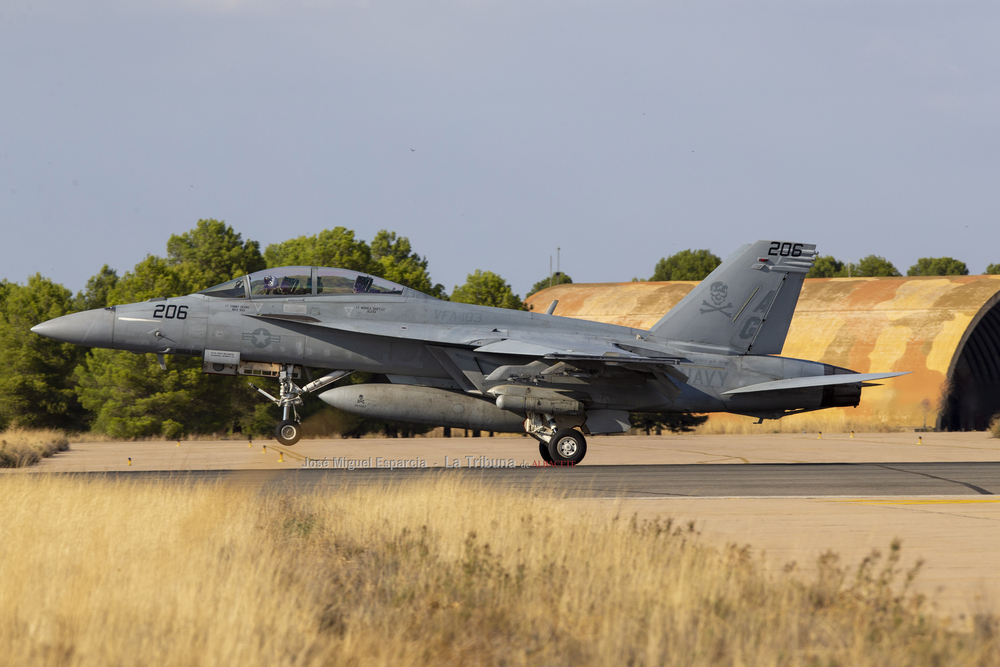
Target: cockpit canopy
x,y
302,281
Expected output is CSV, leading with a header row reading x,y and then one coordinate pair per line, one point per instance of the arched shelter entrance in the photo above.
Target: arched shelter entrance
x,y
972,396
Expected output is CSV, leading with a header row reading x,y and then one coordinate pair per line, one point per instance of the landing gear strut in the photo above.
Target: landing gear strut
x,y
556,446
289,429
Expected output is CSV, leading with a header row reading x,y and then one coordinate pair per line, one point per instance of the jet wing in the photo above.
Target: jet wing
x,y
431,333
812,381
548,346
551,347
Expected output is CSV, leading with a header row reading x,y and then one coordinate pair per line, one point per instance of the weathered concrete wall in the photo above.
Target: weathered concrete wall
x,y
864,324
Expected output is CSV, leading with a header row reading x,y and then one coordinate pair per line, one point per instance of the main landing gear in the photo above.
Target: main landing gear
x,y
565,446
289,429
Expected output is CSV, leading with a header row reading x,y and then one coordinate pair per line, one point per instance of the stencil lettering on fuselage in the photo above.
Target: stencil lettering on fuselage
x,y
707,377
752,324
765,302
750,328
455,316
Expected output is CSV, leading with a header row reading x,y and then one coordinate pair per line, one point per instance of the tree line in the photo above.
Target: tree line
x,y
697,264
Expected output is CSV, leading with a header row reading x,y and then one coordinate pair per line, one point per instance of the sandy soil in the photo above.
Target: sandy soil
x,y
602,450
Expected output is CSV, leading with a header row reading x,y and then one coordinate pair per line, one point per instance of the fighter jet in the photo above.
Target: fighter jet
x,y
464,366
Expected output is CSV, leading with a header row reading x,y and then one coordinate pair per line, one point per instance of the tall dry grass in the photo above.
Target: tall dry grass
x,y
97,436
440,572
810,422
20,447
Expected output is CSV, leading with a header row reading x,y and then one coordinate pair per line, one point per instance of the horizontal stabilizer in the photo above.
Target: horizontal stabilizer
x,y
812,381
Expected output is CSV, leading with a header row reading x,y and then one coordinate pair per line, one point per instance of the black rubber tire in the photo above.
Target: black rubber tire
x,y
543,449
288,432
567,447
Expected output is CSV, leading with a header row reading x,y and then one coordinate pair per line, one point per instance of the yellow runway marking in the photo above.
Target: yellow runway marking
x,y
290,453
922,501
718,457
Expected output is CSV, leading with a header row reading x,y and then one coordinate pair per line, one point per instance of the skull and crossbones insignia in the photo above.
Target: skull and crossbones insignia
x,y
718,291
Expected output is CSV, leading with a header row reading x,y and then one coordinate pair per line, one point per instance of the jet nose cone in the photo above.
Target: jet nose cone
x,y
93,328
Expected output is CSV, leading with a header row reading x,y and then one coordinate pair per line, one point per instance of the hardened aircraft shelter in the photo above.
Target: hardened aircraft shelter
x,y
946,330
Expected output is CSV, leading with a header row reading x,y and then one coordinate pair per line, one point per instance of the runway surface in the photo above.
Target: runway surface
x,y
796,480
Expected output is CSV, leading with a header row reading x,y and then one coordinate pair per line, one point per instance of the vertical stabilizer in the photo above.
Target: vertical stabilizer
x,y
746,303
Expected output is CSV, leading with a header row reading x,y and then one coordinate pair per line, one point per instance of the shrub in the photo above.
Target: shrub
x,y
20,447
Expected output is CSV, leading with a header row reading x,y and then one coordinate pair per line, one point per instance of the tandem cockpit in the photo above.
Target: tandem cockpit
x,y
302,281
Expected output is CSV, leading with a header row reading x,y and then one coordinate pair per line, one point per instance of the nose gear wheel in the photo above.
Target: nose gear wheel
x,y
288,432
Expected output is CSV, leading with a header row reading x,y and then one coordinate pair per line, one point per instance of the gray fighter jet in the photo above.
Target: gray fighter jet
x,y
465,366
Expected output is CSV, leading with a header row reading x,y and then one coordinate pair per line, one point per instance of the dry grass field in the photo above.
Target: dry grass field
x,y
721,423
442,572
20,447
833,421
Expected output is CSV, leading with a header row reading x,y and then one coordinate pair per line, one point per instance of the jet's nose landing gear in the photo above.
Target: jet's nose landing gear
x,y
289,429
288,432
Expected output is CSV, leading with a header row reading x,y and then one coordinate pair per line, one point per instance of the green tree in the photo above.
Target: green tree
x,y
993,270
393,259
938,266
131,397
390,256
485,288
874,266
558,278
35,386
98,289
686,265
212,253
826,266
154,276
335,247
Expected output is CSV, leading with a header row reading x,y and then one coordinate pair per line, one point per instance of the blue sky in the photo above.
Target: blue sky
x,y
492,132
